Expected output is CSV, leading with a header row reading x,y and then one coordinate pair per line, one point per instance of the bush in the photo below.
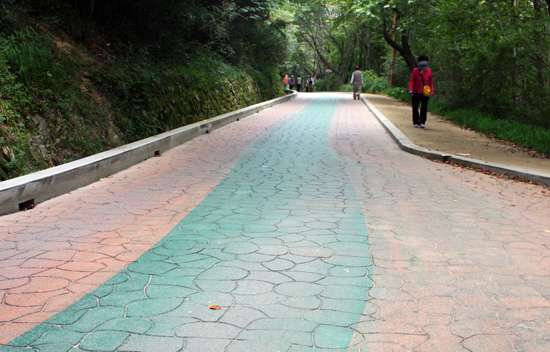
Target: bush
x,y
321,84
399,93
373,83
348,88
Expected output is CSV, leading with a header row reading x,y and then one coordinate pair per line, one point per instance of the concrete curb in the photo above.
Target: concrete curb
x,y
29,190
405,144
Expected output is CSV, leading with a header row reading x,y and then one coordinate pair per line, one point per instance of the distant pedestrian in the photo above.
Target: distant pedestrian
x,y
309,84
285,82
421,89
357,82
298,83
292,82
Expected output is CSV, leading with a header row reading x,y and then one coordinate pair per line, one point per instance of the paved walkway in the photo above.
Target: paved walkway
x,y
449,138
309,230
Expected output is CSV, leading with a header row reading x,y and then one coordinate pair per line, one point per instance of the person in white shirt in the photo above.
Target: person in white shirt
x,y
309,84
357,82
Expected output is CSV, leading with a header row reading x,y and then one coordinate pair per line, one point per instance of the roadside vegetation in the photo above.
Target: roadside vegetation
x,y
80,77
531,137
490,60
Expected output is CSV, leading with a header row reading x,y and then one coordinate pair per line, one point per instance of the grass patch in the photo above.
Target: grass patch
x,y
535,138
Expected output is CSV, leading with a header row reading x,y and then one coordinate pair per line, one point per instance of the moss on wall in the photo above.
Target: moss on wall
x,y
116,103
147,100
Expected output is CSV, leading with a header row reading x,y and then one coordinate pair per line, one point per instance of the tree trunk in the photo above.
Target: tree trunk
x,y
345,48
404,49
539,40
364,37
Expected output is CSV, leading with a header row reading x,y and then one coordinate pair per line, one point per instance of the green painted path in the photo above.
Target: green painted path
x,y
281,245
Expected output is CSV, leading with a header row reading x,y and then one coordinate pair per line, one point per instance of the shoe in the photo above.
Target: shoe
x,y
416,125
422,125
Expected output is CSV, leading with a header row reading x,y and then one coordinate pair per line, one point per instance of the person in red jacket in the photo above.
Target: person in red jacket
x,y
421,76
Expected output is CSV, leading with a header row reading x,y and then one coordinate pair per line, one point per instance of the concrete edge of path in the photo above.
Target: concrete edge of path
x,y
40,186
405,144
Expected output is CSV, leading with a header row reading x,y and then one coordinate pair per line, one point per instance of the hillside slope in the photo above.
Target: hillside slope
x,y
63,99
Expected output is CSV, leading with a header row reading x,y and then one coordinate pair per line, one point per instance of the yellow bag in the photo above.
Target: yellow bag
x,y
426,91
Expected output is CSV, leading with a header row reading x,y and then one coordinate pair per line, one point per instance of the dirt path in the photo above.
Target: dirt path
x,y
443,135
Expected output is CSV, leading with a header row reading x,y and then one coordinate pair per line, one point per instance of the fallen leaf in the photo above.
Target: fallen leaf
x,y
12,232
101,179
512,205
214,307
358,162
544,231
474,186
456,200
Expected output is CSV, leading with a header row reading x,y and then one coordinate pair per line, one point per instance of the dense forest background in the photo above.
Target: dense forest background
x,y
488,55
81,76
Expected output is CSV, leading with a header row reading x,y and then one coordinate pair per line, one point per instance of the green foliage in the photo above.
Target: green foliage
x,y
28,55
399,93
130,87
241,32
268,82
488,56
321,83
43,105
164,65
346,88
535,138
147,100
372,83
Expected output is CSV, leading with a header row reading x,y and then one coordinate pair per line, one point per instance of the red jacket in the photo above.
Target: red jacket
x,y
416,81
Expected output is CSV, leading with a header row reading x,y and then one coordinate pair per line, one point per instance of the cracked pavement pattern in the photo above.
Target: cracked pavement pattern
x,y
309,229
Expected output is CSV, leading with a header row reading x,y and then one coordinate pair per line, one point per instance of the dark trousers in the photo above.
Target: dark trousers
x,y
298,86
422,101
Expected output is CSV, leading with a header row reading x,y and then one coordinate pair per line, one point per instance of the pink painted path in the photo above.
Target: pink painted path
x,y
461,259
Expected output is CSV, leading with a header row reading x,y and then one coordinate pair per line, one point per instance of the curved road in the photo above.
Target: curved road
x,y
308,230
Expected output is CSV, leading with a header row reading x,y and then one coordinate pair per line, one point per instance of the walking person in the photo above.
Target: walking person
x,y
309,84
357,82
291,82
421,89
298,83
285,82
